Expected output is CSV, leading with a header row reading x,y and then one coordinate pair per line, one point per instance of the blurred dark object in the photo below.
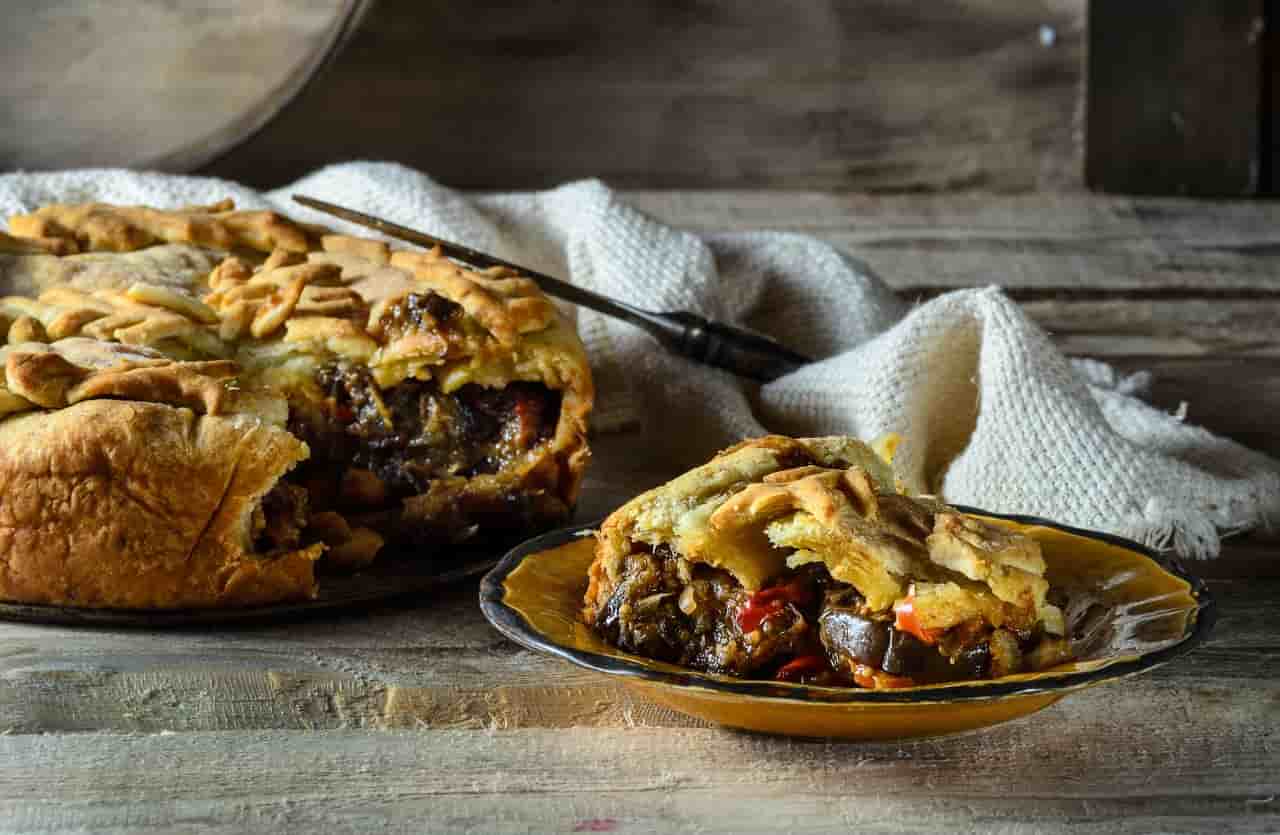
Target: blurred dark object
x,y
1178,99
166,86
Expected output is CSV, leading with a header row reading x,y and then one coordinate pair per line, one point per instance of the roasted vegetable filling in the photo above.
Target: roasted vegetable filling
x,y
802,627
413,433
392,453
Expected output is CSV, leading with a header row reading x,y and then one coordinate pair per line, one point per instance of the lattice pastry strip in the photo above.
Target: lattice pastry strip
x,y
101,227
259,304
66,372
144,314
506,305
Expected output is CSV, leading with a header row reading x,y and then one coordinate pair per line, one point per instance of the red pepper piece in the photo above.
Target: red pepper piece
x,y
801,666
344,413
766,603
795,592
907,620
528,411
752,615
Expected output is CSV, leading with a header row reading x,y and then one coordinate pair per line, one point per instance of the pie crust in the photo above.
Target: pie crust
x,y
198,405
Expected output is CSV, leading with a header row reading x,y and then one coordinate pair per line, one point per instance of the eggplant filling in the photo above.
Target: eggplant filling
x,y
413,434
802,627
385,455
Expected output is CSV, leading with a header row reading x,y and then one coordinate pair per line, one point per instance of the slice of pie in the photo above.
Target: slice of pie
x,y
798,560
197,406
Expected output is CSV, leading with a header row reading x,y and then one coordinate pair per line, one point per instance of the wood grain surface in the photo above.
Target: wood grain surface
x,y
845,94
422,718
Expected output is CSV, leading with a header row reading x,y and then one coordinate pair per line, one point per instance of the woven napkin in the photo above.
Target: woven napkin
x,y
991,413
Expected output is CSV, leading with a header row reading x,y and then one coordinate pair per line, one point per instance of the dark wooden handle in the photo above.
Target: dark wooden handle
x,y
734,349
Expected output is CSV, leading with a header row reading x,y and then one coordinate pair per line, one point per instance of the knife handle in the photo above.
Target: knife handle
x,y
734,349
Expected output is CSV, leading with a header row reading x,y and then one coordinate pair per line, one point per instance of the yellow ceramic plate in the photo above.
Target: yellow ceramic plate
x,y
1130,611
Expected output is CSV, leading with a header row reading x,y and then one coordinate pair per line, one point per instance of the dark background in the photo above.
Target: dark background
x,y
835,94
1131,96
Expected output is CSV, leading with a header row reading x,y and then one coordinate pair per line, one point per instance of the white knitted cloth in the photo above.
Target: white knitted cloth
x,y
991,413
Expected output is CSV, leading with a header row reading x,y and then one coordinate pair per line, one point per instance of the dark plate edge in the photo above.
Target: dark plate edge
x,y
51,615
513,625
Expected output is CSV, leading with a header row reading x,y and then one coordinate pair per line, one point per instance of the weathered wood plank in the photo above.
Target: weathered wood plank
x,y
553,696
814,93
1043,246
1160,328
1030,774
1269,135
1244,559
740,809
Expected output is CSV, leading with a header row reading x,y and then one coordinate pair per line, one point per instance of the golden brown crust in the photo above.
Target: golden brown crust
x,y
219,314
505,304
325,294
101,227
52,376
679,512
90,516
775,503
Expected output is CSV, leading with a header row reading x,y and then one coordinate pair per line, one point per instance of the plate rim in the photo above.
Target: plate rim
x,y
513,625
88,617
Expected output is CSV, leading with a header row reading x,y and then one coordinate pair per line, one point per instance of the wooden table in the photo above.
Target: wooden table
x,y
417,718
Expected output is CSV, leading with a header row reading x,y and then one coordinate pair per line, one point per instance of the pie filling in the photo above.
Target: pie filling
x,y
803,626
279,519
401,440
418,465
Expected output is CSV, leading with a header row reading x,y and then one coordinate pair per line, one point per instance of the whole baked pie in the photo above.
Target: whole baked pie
x,y
198,405
799,560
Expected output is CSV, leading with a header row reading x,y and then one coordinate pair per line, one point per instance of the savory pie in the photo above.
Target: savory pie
x,y
197,405
799,560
